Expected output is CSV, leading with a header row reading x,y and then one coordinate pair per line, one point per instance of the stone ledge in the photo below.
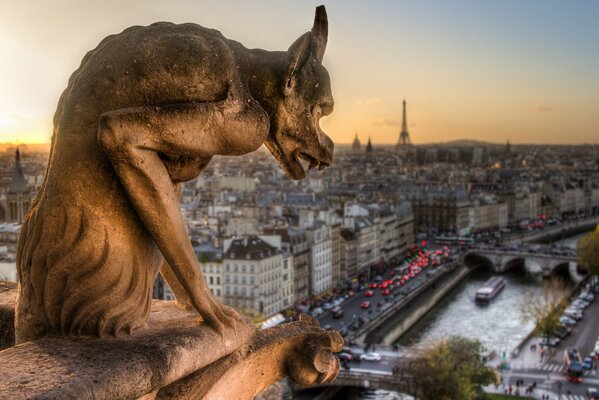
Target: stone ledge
x,y
174,358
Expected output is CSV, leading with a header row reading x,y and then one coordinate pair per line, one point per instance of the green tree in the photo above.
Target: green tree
x,y
588,252
448,369
545,310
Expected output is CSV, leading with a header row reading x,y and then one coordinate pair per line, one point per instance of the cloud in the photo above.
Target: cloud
x,y
540,108
369,101
386,122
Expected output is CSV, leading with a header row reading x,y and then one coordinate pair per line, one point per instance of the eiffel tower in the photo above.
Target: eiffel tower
x,y
404,135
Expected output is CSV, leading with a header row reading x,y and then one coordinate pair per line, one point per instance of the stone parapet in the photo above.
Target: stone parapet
x,y
175,357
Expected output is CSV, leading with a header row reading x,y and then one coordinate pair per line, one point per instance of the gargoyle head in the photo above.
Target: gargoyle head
x,y
306,96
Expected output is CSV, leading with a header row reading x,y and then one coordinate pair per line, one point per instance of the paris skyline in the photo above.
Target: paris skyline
x,y
498,71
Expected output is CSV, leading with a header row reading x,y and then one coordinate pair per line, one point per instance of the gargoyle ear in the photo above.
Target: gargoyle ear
x,y
310,44
298,55
320,33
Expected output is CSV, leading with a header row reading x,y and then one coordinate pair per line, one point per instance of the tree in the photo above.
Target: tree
x,y
545,310
446,370
588,252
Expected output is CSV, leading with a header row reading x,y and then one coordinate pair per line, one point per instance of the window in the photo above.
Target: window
x,y
218,280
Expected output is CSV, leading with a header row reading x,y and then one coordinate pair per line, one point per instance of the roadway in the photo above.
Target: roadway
x,y
549,372
352,310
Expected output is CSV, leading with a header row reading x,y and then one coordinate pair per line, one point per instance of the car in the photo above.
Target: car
x,y
372,286
365,304
337,313
587,296
369,293
574,314
551,342
386,292
344,356
378,278
592,394
347,350
328,306
581,303
370,357
567,321
317,311
587,363
562,331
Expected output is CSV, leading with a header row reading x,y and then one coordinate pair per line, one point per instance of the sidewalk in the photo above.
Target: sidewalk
x,y
529,359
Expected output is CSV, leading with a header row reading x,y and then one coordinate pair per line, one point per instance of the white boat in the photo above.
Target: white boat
x,y
490,290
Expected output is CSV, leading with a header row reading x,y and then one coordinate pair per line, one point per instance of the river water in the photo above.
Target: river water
x,y
498,326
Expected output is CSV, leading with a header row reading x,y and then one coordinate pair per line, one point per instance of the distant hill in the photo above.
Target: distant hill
x,y
464,143
25,147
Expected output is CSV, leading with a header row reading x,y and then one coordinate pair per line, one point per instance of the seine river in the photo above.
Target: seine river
x,y
498,326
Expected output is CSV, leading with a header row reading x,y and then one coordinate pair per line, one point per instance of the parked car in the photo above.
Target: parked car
x,y
581,303
574,314
551,342
345,356
386,292
567,321
562,331
328,306
369,293
337,312
371,357
586,296
317,311
365,304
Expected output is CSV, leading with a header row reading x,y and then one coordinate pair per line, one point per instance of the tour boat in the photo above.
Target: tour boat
x,y
490,290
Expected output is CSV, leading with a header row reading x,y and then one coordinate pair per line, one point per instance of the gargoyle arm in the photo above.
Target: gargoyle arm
x,y
135,138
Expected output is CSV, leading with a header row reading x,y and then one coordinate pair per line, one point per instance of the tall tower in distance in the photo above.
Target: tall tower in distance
x,y
404,135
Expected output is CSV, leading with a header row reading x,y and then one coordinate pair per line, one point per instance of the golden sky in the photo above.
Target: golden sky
x,y
494,70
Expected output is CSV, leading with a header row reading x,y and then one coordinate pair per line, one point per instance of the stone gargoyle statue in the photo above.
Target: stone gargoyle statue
x,y
146,110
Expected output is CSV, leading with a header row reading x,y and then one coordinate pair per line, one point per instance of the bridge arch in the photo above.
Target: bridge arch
x,y
517,263
475,261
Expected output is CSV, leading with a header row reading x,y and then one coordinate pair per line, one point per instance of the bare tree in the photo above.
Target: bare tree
x,y
445,370
588,252
545,310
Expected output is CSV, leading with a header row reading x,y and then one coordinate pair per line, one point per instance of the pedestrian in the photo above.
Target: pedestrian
x,y
509,390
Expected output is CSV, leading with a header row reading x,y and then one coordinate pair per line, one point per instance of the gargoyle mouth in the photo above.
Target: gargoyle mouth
x,y
313,161
291,162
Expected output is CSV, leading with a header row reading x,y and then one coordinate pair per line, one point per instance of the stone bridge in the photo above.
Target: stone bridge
x,y
535,263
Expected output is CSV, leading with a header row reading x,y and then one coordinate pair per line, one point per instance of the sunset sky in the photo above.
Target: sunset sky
x,y
524,71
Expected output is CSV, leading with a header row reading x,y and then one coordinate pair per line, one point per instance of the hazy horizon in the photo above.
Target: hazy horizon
x,y
492,71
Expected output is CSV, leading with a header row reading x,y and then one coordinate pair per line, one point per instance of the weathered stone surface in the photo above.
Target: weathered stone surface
x,y
301,350
174,358
173,346
8,297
